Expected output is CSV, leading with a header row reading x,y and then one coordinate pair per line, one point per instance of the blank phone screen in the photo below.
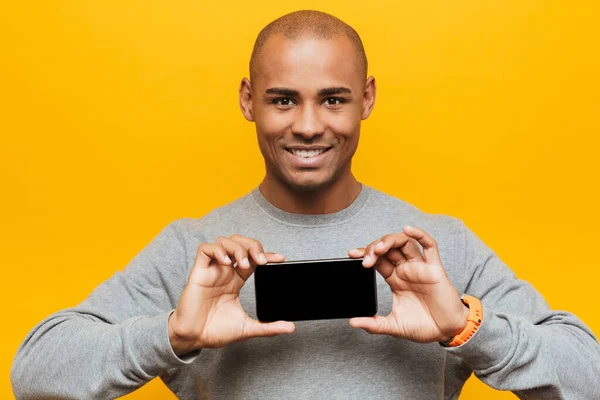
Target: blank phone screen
x,y
315,289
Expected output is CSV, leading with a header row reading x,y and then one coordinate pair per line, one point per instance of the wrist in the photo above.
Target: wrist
x,y
179,343
474,318
462,324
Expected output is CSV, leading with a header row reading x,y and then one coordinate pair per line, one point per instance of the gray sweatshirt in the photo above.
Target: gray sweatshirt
x,y
116,340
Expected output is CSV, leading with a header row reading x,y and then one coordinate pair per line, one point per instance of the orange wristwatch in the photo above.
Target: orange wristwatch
x,y
473,321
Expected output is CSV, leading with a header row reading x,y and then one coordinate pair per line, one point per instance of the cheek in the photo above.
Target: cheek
x,y
270,128
272,124
345,126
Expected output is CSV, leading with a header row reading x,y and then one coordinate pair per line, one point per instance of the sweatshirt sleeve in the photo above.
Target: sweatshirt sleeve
x,y
522,345
114,341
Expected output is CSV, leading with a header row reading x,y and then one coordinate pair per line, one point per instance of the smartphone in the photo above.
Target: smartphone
x,y
315,289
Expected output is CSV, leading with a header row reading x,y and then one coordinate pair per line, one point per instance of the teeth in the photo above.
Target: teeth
x,y
306,153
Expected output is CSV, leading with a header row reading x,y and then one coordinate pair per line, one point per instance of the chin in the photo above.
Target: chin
x,y
310,184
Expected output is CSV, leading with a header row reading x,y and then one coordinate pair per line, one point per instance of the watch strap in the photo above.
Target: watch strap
x,y
473,321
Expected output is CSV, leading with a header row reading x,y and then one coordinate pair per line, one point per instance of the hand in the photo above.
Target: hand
x,y
209,313
425,305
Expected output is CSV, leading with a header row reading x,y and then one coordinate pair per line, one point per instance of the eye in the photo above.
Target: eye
x,y
284,102
334,101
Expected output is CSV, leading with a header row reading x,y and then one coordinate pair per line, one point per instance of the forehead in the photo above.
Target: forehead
x,y
307,63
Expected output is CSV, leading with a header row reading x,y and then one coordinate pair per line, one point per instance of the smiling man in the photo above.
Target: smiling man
x,y
308,96
184,308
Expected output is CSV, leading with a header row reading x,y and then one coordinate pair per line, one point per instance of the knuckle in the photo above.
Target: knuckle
x,y
256,246
203,251
220,239
238,238
239,252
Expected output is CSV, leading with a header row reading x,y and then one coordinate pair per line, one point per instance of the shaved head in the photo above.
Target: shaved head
x,y
311,24
308,97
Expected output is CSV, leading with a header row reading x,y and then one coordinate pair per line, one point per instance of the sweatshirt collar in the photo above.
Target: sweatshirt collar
x,y
311,219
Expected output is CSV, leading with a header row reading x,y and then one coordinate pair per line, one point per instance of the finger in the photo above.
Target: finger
x,y
254,248
383,246
388,242
417,273
235,250
209,251
411,251
430,247
204,268
356,253
377,325
242,267
370,257
395,256
384,266
274,257
254,328
245,273
241,253
219,240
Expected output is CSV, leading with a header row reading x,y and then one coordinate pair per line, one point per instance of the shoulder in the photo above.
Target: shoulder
x,y
221,219
383,206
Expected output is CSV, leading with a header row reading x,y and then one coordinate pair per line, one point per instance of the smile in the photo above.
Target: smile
x,y
307,153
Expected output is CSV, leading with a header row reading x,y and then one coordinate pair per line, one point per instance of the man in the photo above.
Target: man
x,y
183,309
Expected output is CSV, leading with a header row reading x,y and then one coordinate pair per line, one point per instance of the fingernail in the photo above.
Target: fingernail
x,y
379,245
245,262
262,258
227,259
367,259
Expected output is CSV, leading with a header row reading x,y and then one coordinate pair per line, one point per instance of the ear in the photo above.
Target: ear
x,y
246,99
369,97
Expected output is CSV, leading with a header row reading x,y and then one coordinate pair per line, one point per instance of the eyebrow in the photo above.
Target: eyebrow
x,y
294,93
283,92
333,90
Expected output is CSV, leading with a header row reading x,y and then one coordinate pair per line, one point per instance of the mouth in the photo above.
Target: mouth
x,y
311,158
308,153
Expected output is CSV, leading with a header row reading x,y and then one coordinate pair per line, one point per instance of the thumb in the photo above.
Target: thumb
x,y
256,328
376,325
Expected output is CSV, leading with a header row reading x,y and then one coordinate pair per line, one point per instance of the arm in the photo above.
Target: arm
x,y
117,339
522,345
134,326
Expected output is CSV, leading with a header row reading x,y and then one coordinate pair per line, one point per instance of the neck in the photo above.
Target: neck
x,y
330,199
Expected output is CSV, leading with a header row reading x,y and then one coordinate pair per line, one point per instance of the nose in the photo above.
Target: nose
x,y
307,122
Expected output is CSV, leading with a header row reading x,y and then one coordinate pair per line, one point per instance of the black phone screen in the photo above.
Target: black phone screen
x,y
315,289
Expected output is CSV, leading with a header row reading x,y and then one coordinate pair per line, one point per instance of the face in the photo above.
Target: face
x,y
307,99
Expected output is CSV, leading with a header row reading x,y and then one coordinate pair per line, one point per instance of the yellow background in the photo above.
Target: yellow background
x,y
118,117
